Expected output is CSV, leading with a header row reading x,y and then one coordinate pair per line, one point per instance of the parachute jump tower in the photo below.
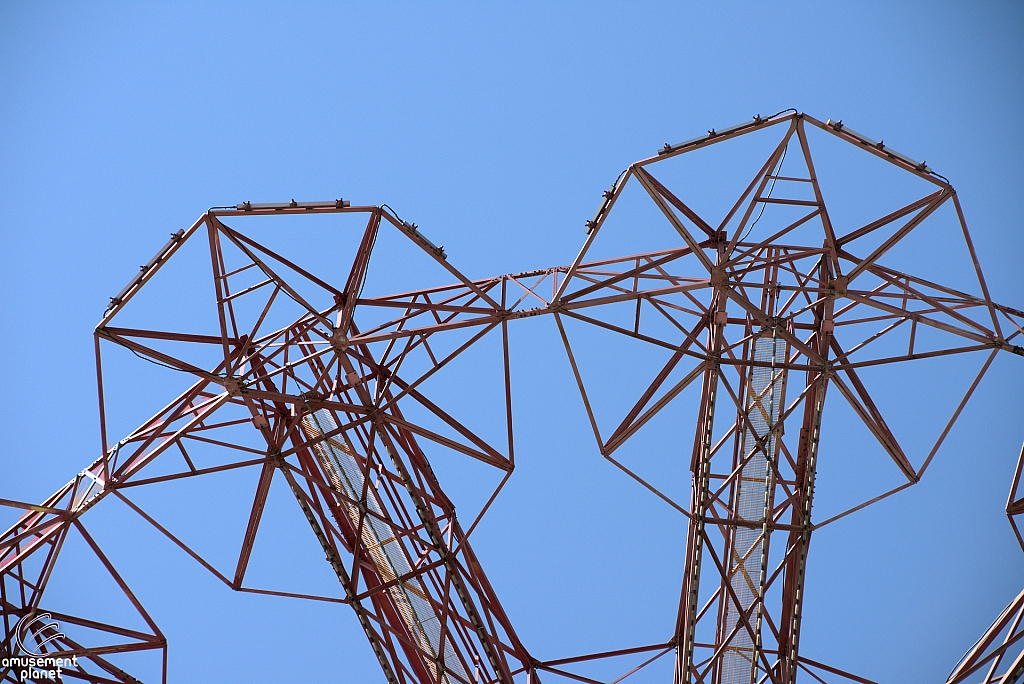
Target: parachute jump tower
x,y
764,310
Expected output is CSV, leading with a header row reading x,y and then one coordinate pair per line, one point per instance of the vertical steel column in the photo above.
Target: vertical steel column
x,y
806,471
700,466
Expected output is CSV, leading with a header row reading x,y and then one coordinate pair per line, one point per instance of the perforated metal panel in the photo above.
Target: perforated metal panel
x,y
345,470
752,501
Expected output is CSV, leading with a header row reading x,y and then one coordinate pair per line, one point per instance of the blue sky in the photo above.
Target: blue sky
x,y
495,128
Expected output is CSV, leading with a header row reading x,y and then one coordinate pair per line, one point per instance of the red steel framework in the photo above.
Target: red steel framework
x,y
325,397
998,656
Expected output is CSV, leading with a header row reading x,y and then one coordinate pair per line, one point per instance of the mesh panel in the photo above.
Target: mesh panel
x,y
344,469
752,503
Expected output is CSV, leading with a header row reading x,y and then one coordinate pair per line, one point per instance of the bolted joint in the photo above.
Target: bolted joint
x,y
1003,345
837,288
233,386
339,342
312,397
719,278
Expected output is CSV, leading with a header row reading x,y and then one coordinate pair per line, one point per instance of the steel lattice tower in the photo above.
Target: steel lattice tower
x,y
311,382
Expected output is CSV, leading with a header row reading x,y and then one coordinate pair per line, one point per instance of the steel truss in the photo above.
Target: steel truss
x,y
764,327
998,656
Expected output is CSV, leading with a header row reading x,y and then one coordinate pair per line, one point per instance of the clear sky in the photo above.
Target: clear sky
x,y
494,127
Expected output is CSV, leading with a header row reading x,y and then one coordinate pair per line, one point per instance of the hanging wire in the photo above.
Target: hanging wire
x,y
775,172
619,177
366,269
791,109
160,363
388,207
